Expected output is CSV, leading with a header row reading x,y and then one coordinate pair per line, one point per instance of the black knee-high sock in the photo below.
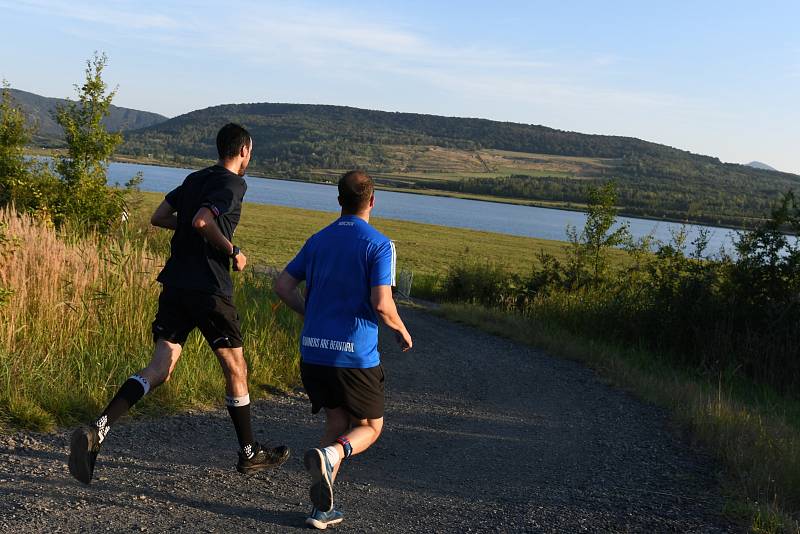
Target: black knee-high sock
x,y
131,391
239,410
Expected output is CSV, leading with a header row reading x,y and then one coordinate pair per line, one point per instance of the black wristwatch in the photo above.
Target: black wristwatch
x,y
236,251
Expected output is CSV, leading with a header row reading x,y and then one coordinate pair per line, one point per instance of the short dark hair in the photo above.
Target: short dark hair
x,y
355,190
231,138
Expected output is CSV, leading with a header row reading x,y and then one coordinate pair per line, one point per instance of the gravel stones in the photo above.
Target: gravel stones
x,y
481,435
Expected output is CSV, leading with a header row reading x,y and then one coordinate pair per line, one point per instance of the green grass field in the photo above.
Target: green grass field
x,y
272,235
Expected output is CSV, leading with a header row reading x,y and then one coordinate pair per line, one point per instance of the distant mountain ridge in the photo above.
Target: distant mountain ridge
x,y
478,157
450,155
320,123
40,112
762,166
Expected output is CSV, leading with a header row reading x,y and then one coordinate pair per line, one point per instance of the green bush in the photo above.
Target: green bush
x,y
74,190
728,314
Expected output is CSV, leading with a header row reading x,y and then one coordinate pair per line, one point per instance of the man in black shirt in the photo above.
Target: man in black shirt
x,y
197,293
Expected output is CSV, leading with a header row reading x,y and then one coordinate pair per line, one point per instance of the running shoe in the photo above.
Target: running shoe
x,y
263,458
83,448
322,520
321,471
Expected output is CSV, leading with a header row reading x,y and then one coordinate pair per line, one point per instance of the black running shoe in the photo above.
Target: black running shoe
x,y
83,449
263,458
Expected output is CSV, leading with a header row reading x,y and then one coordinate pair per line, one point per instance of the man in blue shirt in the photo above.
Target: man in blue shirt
x,y
349,271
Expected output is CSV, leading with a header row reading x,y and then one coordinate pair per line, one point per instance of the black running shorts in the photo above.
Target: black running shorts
x,y
359,391
182,310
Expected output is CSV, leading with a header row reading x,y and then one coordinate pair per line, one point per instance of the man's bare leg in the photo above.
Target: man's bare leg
x,y
344,436
159,370
234,367
85,442
252,455
237,398
162,364
361,433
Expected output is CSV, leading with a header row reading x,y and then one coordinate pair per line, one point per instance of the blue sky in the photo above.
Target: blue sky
x,y
718,78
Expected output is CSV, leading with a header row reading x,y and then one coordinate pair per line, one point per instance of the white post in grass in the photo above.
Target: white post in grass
x,y
404,281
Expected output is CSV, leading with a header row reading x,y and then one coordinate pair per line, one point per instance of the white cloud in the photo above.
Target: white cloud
x,y
324,37
116,14
340,41
344,44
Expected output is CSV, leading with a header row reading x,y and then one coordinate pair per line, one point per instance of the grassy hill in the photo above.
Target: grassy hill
x,y
40,113
473,157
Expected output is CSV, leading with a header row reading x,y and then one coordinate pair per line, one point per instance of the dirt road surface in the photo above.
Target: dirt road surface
x,y
481,435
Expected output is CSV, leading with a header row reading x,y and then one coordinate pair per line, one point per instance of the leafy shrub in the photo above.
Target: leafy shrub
x,y
728,314
74,191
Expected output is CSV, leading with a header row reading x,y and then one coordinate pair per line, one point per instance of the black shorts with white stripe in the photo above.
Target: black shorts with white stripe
x,y
182,310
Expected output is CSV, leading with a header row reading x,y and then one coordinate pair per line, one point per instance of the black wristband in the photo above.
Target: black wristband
x,y
236,251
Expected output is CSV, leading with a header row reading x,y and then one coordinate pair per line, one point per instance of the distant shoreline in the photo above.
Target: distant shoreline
x,y
464,196
122,158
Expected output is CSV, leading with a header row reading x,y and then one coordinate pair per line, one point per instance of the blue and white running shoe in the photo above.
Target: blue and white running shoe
x,y
321,471
322,520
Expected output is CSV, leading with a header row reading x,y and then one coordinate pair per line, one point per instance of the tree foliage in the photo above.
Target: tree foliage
x,y
85,198
589,249
74,190
13,137
726,314
27,184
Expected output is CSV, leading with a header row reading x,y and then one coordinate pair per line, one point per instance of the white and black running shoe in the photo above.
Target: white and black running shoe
x,y
263,458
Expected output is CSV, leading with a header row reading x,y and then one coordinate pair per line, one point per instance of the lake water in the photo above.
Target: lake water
x,y
488,216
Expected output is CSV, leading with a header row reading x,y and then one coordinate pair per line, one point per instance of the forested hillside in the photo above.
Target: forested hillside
x,y
474,157
40,114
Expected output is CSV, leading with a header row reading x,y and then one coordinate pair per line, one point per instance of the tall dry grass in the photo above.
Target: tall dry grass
x,y
75,318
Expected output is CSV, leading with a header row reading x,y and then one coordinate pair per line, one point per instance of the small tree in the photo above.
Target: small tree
x,y
588,251
27,184
86,197
14,135
767,268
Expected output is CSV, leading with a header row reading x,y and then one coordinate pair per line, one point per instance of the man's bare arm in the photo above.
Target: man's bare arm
x,y
164,216
286,288
206,226
384,306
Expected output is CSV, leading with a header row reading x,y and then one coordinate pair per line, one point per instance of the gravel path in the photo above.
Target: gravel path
x,y
481,434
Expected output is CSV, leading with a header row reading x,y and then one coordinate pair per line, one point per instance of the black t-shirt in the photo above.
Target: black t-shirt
x,y
194,263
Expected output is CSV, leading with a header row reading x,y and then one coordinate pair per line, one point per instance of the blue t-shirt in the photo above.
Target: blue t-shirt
x,y
341,264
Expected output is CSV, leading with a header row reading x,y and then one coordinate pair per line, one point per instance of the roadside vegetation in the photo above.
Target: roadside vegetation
x,y
75,316
70,190
714,340
78,263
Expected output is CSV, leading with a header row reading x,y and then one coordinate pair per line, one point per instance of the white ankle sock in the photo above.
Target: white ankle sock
x,y
332,454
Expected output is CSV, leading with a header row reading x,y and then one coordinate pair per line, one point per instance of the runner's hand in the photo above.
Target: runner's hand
x,y
239,261
404,340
